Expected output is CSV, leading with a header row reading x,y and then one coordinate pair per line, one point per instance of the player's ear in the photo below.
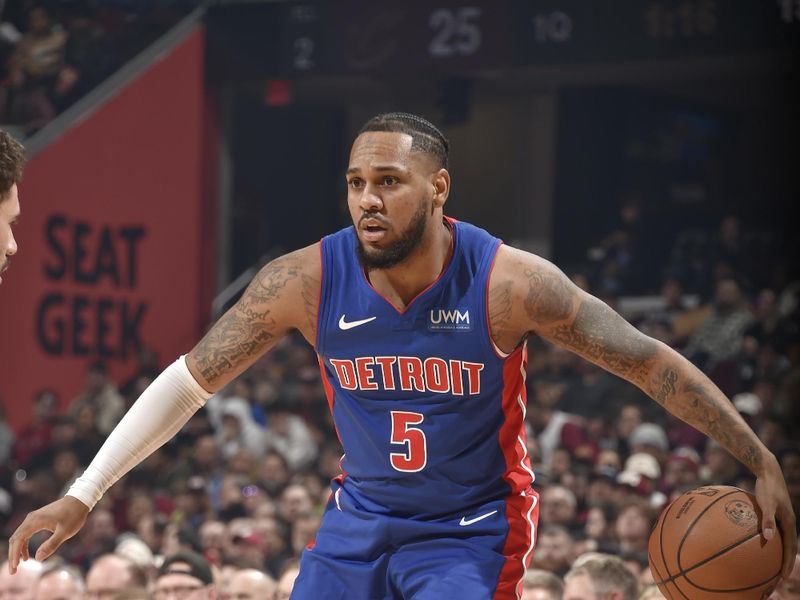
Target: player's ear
x,y
441,187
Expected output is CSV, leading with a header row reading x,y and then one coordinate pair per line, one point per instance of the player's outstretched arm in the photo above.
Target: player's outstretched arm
x,y
283,296
527,293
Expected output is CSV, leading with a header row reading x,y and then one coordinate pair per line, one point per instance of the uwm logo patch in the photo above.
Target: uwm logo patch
x,y
452,319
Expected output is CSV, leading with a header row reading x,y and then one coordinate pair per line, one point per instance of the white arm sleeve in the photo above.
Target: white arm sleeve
x,y
159,413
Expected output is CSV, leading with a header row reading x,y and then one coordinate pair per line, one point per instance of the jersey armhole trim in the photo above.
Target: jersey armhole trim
x,y
317,333
500,354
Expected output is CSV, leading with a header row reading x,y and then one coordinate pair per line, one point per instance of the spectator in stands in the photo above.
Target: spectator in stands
x,y
251,584
238,431
682,471
304,529
288,435
770,326
729,247
98,537
600,523
89,56
184,574
36,437
274,473
554,549
608,459
295,501
649,438
34,69
600,578
111,573
555,428
720,336
246,542
558,506
635,521
274,533
541,585
22,585
719,466
86,428
102,396
286,580
214,539
641,475
60,582
629,418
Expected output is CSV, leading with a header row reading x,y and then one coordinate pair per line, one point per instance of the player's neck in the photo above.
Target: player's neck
x,y
402,283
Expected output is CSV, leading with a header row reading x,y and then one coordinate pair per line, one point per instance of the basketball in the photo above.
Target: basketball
x,y
707,545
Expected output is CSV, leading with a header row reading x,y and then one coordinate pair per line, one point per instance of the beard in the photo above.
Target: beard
x,y
397,252
4,265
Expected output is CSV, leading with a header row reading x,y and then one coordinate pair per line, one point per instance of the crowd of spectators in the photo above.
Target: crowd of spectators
x,y
52,53
242,487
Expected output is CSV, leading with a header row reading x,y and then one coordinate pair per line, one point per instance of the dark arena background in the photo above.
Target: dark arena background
x,y
649,148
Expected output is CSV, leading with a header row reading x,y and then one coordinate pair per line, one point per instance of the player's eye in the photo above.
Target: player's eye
x,y
355,183
390,180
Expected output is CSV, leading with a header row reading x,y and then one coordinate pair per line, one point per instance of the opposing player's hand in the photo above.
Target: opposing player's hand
x,y
773,498
64,518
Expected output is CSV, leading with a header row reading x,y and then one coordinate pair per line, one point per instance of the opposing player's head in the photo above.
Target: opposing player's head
x,y
12,161
398,184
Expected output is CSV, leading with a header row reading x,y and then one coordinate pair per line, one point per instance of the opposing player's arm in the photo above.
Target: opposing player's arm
x,y
529,294
283,296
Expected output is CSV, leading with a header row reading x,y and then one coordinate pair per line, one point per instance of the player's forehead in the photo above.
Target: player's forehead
x,y
376,149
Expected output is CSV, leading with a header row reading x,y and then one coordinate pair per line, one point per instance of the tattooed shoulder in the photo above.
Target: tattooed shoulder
x,y
548,298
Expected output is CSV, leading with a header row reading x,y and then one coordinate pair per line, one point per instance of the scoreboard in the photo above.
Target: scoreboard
x,y
382,37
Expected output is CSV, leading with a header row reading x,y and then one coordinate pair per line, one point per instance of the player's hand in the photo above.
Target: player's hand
x,y
773,498
64,518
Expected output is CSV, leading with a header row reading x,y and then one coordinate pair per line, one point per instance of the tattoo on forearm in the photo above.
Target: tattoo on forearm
x,y
549,299
699,408
664,388
244,331
602,336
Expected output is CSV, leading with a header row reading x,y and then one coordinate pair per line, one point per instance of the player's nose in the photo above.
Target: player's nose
x,y
370,200
11,246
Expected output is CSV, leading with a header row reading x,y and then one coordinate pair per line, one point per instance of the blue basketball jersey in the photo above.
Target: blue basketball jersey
x,y
429,412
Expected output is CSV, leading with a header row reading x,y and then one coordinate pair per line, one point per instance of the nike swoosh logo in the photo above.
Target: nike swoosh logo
x,y
464,521
345,325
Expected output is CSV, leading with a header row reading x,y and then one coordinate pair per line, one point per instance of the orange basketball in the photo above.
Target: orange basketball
x,y
707,545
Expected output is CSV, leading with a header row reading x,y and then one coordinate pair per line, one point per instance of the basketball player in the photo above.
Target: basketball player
x,y
12,161
419,322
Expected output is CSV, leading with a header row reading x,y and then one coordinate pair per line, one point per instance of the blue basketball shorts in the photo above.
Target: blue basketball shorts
x,y
480,554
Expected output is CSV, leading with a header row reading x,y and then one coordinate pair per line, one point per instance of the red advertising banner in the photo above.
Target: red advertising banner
x,y
112,248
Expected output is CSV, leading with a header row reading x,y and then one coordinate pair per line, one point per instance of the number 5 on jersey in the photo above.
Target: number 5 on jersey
x,y
415,456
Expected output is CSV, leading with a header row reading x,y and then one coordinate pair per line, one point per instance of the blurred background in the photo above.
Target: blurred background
x,y
648,147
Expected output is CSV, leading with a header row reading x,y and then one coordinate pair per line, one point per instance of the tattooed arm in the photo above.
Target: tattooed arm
x,y
529,294
282,296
